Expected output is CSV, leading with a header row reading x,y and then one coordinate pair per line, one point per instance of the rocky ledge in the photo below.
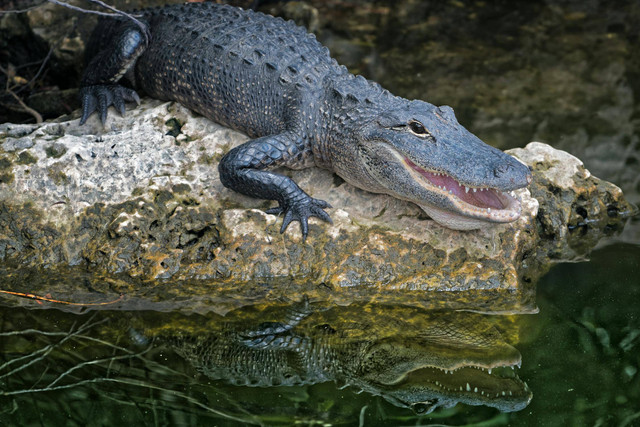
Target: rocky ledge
x,y
141,198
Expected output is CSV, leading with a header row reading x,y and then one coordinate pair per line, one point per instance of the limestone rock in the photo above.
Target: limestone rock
x,y
141,198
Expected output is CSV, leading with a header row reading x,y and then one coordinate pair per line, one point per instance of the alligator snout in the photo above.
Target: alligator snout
x,y
513,172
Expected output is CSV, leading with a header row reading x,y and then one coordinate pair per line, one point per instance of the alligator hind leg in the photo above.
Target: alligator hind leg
x,y
115,54
241,169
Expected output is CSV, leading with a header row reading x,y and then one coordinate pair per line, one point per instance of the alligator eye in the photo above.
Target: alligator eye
x,y
417,128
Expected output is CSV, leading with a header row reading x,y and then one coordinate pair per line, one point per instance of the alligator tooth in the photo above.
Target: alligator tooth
x,y
468,387
489,210
475,189
466,189
510,393
504,394
482,392
475,389
489,371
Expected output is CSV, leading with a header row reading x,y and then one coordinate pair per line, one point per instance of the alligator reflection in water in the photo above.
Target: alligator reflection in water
x,y
112,365
414,359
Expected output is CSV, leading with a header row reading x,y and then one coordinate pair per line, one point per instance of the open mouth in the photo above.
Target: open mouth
x,y
480,202
473,385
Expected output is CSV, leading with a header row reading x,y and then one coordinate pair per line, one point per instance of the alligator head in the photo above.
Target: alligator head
x,y
424,374
419,152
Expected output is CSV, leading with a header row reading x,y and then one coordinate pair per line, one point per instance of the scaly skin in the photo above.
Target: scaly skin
x,y
275,82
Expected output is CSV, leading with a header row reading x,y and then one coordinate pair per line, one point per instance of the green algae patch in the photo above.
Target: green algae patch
x,y
206,159
181,188
6,177
55,151
57,176
138,191
6,174
26,239
26,158
175,127
5,164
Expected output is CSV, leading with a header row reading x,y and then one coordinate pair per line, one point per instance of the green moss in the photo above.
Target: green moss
x,y
58,177
190,201
175,127
6,178
181,188
163,196
26,158
55,151
205,159
137,192
5,163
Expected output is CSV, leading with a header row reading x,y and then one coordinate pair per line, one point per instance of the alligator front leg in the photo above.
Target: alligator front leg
x,y
242,170
99,87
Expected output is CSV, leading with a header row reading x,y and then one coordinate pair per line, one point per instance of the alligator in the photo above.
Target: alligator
x,y
413,359
275,82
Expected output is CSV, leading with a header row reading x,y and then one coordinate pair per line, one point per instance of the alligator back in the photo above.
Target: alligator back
x,y
242,69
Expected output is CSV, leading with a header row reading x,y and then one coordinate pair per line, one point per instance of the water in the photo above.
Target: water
x,y
562,72
582,362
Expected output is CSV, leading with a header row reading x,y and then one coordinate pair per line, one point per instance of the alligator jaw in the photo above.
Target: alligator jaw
x,y
474,207
471,385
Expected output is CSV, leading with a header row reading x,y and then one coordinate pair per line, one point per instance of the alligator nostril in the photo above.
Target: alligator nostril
x,y
500,170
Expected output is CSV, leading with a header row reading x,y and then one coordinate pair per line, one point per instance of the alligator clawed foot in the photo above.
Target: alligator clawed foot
x,y
301,211
100,97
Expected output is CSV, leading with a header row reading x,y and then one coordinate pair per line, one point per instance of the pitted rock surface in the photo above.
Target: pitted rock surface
x,y
142,198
